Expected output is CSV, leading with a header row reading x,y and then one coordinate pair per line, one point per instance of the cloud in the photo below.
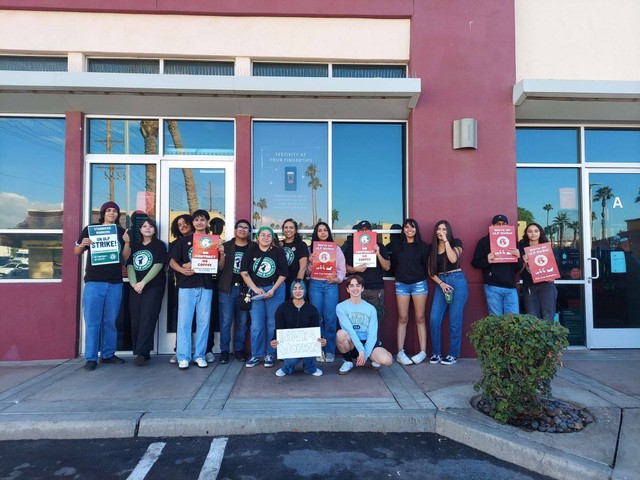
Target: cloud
x,y
14,208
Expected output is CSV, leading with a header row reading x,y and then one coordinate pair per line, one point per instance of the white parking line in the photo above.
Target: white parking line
x,y
211,466
146,462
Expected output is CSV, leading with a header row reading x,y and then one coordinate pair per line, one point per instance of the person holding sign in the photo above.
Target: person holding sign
x,y
296,251
108,245
357,339
296,314
499,278
327,269
145,270
539,297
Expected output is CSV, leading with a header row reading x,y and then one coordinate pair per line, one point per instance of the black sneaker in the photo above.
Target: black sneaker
x,y
90,365
112,360
239,356
224,357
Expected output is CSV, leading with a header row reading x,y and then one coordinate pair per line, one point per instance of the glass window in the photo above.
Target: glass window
x,y
368,174
612,146
123,137
570,308
34,64
369,71
290,173
190,67
195,137
550,197
547,145
115,65
290,70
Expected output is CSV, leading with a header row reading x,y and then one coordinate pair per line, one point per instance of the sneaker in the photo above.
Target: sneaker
x,y
345,368
210,357
239,356
402,358
435,359
317,373
173,359
448,360
139,360
224,357
201,362
268,361
90,365
375,365
322,358
418,358
112,360
252,362
280,373
329,357
183,364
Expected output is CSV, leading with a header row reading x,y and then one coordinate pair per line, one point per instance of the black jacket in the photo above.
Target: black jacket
x,y
289,316
497,274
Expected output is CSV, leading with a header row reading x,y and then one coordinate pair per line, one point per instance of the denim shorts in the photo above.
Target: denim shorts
x,y
406,289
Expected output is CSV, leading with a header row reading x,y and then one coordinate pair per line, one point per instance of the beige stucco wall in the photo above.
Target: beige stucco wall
x,y
578,39
174,36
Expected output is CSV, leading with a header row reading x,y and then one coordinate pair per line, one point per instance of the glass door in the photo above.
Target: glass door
x,y
188,185
613,258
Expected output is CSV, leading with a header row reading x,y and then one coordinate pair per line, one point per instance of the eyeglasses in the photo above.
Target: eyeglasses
x,y
243,228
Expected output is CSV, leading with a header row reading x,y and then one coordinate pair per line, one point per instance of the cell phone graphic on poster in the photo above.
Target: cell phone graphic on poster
x,y
290,179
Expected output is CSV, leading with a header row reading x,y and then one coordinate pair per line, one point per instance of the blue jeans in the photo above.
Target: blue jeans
x,y
191,300
228,310
308,365
501,300
101,304
324,296
540,300
456,309
263,322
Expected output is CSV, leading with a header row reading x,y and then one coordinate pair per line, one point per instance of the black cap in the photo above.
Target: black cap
x,y
363,224
499,218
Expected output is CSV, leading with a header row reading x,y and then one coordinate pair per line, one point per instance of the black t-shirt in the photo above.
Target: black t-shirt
x,y
410,262
272,266
442,261
181,253
110,272
143,257
237,263
294,252
372,276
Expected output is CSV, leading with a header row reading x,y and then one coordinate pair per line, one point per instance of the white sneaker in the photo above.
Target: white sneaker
x,y
280,373
418,358
375,364
210,357
329,357
345,368
173,359
321,358
402,358
183,364
317,373
201,362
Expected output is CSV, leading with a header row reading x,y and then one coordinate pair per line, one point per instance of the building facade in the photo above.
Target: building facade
x,y
337,111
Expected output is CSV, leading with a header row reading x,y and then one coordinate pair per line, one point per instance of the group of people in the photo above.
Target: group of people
x,y
272,272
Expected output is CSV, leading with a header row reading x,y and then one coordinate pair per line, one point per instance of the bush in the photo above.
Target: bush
x,y
518,355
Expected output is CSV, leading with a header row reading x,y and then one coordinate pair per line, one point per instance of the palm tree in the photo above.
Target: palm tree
x,y
261,204
314,184
574,225
602,195
525,215
560,222
189,178
637,200
547,208
335,215
256,217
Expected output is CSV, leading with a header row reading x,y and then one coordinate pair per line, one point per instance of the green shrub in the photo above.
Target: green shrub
x,y
518,355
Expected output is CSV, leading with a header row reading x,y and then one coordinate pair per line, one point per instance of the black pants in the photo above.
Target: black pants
x,y
144,309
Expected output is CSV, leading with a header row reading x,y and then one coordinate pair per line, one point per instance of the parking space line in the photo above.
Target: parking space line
x,y
211,466
146,462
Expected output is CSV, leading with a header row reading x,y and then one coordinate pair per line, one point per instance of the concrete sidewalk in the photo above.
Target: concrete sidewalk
x,y
60,400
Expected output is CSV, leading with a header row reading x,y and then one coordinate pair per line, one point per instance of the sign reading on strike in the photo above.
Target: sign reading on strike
x,y
324,260
541,262
503,239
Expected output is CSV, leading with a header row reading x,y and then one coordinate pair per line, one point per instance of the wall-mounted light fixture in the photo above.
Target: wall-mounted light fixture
x,y
465,133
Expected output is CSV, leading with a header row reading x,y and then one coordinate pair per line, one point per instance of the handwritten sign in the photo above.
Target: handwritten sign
x,y
298,342
364,248
541,262
104,248
204,253
324,260
502,239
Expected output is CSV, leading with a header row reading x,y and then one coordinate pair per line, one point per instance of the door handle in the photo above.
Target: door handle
x,y
597,275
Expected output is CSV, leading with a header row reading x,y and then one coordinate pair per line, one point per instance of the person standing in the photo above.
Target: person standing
x,y
230,286
145,270
296,251
264,270
323,293
499,278
102,294
409,262
539,298
452,292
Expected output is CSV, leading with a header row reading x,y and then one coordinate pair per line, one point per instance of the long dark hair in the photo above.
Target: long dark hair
x,y
314,235
175,231
525,238
155,229
296,238
403,238
433,258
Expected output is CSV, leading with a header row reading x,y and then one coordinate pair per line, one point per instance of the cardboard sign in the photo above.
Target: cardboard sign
x,y
104,247
542,264
364,249
204,253
502,239
324,263
298,342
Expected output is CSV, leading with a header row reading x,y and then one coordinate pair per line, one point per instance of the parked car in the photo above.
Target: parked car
x,y
21,271
6,270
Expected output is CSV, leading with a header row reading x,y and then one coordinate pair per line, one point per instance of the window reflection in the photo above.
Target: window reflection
x,y
612,146
123,137
26,255
547,145
195,137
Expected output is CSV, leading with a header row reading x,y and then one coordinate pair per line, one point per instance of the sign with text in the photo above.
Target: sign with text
x,y
104,248
502,239
298,342
364,249
204,254
324,260
541,262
